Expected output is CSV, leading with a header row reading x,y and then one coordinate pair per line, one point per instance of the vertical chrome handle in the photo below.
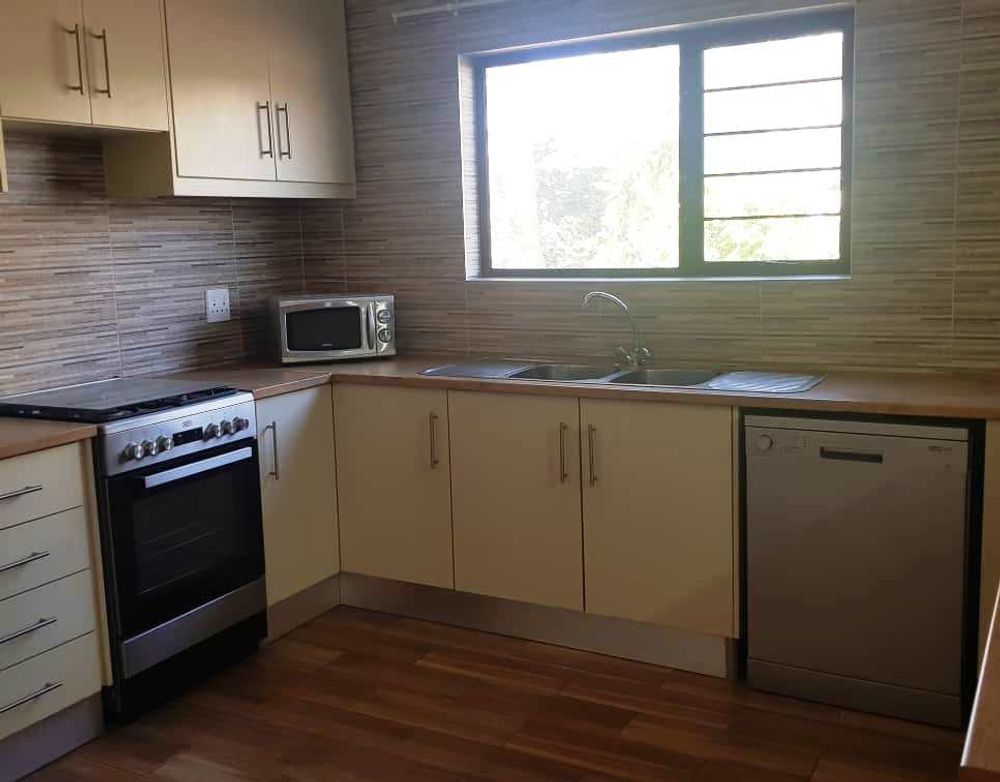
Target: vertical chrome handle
x,y
103,38
276,472
563,472
433,418
75,32
278,111
591,436
43,622
9,495
49,687
34,556
269,152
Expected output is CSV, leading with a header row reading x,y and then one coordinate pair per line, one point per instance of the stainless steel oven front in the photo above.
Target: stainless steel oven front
x,y
182,539
333,328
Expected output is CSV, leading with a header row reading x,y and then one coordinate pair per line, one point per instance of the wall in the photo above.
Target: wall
x,y
92,288
925,289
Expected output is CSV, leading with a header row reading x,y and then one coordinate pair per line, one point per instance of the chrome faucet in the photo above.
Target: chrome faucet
x,y
625,358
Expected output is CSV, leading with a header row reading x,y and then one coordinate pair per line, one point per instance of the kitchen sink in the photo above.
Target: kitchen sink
x,y
664,377
563,372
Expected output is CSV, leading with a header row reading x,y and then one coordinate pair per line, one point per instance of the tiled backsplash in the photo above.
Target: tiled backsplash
x,y
91,288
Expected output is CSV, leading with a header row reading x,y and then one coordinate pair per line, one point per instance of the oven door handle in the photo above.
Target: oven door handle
x,y
187,470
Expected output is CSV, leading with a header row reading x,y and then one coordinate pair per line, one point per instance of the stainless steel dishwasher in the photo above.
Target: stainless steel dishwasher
x,y
857,541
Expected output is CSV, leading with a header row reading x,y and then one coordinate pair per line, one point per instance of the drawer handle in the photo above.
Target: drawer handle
x,y
9,495
34,556
34,696
43,622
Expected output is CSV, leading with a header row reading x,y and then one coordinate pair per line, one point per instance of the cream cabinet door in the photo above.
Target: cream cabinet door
x,y
220,88
298,489
307,51
125,59
392,475
43,73
515,477
658,513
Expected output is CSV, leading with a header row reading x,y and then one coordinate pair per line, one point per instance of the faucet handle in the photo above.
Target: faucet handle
x,y
642,355
623,357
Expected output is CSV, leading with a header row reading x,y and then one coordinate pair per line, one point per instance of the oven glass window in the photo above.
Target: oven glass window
x,y
334,328
182,544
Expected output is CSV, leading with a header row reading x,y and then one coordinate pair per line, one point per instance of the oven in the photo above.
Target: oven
x,y
333,328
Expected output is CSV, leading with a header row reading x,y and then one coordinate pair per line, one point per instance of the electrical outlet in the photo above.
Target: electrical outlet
x,y
217,304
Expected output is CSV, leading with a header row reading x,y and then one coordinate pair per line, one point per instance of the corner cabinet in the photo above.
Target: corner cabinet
x,y
298,491
658,521
261,105
516,497
393,478
84,62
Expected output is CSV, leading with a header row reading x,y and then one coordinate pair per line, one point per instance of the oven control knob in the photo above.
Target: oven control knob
x,y
131,451
164,444
239,424
226,426
148,448
384,316
211,431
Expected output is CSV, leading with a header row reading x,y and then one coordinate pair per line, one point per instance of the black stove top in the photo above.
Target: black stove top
x,y
110,400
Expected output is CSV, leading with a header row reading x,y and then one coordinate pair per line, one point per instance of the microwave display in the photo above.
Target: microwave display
x,y
334,328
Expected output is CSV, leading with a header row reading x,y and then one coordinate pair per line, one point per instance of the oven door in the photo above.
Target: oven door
x,y
186,534
328,329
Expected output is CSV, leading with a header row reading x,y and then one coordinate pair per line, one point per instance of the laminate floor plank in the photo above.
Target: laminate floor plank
x,y
358,696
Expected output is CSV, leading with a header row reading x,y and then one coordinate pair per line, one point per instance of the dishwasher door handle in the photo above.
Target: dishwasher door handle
x,y
842,455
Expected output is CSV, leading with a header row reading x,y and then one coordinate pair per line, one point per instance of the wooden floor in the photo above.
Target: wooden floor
x,y
363,696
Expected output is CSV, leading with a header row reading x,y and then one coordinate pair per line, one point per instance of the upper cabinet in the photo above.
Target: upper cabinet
x,y
89,62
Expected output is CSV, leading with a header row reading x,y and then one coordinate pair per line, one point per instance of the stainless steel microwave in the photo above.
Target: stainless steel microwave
x,y
334,328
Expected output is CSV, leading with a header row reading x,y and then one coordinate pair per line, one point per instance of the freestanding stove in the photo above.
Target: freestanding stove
x,y
178,492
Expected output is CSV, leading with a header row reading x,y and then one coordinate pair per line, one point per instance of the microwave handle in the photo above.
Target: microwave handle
x,y
187,470
371,325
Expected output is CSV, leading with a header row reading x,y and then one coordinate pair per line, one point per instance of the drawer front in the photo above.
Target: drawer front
x,y
48,683
39,620
41,483
40,551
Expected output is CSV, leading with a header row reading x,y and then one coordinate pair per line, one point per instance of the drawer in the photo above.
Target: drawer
x,y
48,683
41,483
39,620
40,551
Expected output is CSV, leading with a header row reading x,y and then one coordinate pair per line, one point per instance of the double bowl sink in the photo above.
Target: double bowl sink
x,y
575,373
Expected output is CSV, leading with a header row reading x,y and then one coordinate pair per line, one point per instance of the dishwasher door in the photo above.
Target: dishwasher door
x,y
856,541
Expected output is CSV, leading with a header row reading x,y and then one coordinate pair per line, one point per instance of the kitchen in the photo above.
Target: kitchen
x,y
493,577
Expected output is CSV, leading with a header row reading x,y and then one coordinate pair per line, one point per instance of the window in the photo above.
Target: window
x,y
712,152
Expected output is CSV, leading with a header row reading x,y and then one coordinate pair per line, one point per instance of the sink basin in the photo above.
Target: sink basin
x,y
563,372
665,377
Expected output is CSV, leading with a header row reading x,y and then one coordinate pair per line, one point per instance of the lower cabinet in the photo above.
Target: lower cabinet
x,y
298,491
658,513
515,467
395,489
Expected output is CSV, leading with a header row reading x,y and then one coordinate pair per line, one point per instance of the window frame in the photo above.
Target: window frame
x,y
692,43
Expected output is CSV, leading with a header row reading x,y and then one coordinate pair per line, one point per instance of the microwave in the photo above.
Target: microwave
x,y
334,328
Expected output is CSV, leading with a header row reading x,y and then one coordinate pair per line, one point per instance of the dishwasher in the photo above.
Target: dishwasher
x,y
862,542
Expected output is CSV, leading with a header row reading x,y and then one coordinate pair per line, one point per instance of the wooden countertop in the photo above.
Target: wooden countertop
x,y
981,758
947,395
18,436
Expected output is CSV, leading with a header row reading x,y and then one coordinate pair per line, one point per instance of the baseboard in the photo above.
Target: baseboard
x,y
53,737
711,655
300,608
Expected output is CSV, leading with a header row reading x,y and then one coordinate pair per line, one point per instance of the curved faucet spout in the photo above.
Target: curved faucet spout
x,y
639,352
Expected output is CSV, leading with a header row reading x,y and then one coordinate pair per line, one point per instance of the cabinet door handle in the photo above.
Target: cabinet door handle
x,y
10,495
49,687
278,111
269,152
34,556
433,419
563,472
591,437
43,622
103,38
75,32
276,471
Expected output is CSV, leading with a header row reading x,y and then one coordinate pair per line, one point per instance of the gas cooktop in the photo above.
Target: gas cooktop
x,y
111,400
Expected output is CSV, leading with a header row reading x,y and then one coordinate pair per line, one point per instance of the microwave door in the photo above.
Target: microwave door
x,y
340,330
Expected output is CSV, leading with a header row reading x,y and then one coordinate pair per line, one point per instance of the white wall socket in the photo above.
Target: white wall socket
x,y
217,304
